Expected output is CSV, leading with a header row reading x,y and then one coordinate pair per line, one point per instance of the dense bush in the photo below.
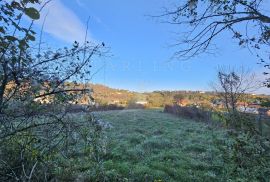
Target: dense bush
x,y
106,107
245,156
135,106
43,153
188,112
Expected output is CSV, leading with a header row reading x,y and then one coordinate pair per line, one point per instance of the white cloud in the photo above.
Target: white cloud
x,y
62,23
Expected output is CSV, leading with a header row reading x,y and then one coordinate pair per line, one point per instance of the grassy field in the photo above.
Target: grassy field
x,y
149,145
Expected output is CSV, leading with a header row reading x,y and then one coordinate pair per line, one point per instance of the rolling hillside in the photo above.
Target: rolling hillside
x,y
105,95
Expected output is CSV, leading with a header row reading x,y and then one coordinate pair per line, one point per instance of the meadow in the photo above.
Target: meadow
x,y
149,145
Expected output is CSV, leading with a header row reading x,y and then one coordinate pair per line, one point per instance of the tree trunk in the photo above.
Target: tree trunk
x,y
3,85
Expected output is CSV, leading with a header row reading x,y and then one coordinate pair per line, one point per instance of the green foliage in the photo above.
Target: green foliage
x,y
245,153
246,157
265,103
155,99
87,157
66,156
32,13
39,140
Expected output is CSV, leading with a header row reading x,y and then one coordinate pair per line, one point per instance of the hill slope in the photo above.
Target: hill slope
x,y
105,95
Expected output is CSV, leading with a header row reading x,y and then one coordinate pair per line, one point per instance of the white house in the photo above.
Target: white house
x,y
142,102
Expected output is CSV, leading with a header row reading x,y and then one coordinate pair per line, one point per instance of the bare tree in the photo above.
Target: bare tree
x,y
233,86
205,20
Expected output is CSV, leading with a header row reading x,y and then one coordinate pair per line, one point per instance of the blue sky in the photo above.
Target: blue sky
x,y
139,44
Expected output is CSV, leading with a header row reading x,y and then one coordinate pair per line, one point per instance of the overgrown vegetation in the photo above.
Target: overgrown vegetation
x,y
40,142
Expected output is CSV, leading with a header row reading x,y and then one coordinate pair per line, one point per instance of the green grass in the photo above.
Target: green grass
x,y
148,145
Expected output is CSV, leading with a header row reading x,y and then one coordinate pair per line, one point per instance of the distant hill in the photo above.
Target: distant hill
x,y
105,95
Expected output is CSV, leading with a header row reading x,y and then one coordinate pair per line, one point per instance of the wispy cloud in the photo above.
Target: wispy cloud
x,y
80,3
62,23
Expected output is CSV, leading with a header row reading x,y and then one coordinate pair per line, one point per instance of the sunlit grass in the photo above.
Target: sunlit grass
x,y
148,145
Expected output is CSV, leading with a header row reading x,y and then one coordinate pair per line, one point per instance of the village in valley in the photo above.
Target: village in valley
x,y
106,96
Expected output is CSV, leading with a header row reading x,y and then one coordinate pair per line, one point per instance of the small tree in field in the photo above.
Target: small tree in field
x,y
233,87
245,152
35,140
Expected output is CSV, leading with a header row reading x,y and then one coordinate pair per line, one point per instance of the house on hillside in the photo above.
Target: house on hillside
x,y
254,105
217,103
241,104
248,110
183,102
141,102
249,107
